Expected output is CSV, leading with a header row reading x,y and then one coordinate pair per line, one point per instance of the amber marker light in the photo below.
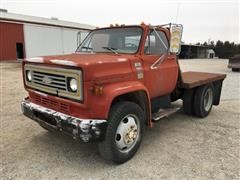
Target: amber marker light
x,y
97,90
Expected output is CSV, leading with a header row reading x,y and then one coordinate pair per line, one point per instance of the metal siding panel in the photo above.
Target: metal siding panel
x,y
42,40
10,34
69,41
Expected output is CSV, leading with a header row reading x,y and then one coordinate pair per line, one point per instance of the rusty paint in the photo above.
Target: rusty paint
x,y
192,79
83,129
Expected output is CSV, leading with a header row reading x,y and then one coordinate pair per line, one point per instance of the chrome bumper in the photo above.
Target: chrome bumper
x,y
83,129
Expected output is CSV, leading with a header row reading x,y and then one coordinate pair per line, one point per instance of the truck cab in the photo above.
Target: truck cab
x,y
120,80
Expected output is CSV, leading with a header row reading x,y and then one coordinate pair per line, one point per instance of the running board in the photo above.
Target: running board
x,y
164,113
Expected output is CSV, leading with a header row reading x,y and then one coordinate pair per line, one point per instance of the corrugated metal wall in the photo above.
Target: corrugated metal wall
x,y
43,40
10,34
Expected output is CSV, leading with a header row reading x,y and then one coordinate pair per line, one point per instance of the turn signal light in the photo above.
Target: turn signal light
x,y
97,90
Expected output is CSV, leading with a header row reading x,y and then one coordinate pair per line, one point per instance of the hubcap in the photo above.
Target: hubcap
x,y
208,99
127,133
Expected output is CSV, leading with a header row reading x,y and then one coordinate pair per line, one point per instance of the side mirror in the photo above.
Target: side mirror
x,y
176,37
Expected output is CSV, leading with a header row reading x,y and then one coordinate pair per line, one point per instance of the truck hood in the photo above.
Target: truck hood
x,y
78,59
94,66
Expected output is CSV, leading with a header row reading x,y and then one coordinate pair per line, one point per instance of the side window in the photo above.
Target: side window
x,y
156,43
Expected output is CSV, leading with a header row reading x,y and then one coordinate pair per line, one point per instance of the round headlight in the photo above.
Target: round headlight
x,y
73,84
29,75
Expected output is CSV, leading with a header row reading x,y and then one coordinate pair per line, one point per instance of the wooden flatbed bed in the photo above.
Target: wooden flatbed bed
x,y
193,79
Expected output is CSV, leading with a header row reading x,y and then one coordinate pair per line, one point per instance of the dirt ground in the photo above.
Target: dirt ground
x,y
178,147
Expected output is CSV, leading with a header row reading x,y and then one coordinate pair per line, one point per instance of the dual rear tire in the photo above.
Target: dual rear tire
x,y
199,101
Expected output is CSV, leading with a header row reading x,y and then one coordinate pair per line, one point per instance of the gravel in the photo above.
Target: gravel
x,y
177,147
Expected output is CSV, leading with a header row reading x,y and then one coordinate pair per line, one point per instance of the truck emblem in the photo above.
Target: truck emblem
x,y
47,80
137,65
139,70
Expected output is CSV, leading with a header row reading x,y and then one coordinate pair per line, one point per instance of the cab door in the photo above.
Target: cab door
x,y
160,67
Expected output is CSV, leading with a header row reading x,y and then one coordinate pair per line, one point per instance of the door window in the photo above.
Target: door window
x,y
156,43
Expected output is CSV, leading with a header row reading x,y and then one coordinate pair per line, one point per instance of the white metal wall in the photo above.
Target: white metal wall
x,y
47,40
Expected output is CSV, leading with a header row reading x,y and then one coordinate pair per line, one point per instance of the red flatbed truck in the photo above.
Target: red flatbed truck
x,y
119,80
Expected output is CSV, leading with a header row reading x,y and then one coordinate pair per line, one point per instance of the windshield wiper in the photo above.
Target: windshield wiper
x,y
85,47
114,50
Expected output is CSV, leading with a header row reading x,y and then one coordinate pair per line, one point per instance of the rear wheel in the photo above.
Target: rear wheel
x,y
188,101
203,100
124,132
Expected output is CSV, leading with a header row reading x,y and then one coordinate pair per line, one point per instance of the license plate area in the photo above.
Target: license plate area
x,y
46,118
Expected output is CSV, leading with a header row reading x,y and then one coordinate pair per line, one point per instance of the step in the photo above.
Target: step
x,y
164,113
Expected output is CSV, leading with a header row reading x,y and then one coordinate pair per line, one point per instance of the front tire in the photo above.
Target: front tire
x,y
124,132
203,100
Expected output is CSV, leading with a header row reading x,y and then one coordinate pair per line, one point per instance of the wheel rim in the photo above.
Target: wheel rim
x,y
127,133
208,99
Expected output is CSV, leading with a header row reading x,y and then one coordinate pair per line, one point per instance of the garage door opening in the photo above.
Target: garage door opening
x,y
19,47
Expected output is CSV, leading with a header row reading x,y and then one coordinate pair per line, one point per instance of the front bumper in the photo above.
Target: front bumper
x,y
83,129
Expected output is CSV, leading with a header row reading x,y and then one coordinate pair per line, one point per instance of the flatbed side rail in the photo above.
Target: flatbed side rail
x,y
191,80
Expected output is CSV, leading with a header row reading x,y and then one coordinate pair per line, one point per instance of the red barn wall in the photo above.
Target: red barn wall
x,y
10,34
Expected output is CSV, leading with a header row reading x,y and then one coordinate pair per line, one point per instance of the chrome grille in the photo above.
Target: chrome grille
x,y
54,80
50,80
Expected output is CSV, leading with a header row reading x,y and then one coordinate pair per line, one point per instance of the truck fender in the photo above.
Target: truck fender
x,y
112,91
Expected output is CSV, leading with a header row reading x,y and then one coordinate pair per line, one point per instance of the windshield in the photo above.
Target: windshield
x,y
114,40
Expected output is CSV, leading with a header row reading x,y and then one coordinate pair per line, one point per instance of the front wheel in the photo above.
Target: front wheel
x,y
124,132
